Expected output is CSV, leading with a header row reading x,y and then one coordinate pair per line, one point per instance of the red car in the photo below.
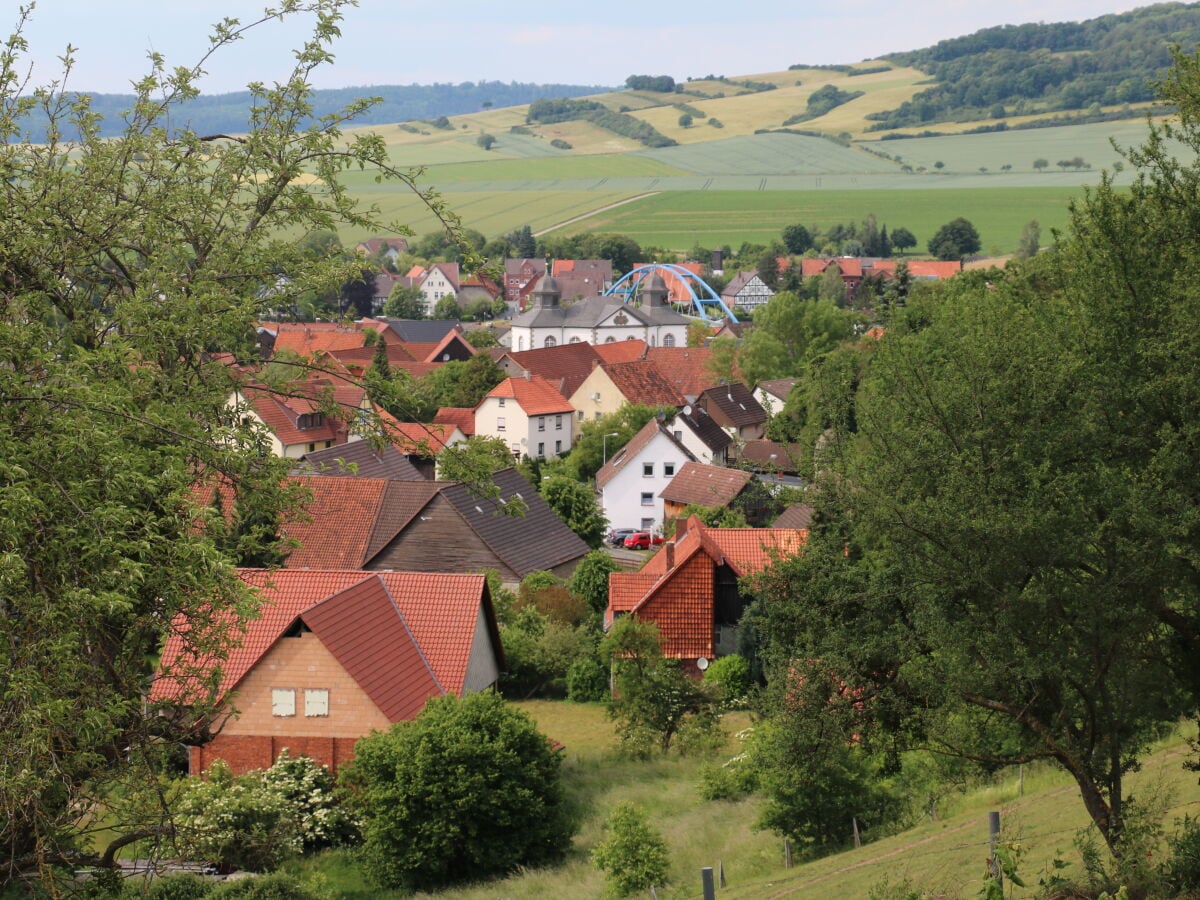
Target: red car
x,y
642,540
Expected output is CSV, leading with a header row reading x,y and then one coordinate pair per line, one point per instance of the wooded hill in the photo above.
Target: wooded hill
x,y
229,113
1020,69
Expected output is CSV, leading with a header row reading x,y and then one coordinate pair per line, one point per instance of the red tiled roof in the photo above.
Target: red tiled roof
x,y
677,292
307,341
921,268
565,366
452,337
281,412
686,368
703,485
442,611
642,382
349,520
422,438
622,351
461,417
364,619
680,598
364,630
535,395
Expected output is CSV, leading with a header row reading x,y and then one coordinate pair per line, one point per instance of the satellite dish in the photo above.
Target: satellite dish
x,y
687,410
702,663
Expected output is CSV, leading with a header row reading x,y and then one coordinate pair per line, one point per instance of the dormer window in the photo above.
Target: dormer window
x,y
310,420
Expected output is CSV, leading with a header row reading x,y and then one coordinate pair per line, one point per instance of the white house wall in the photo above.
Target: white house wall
x,y
621,498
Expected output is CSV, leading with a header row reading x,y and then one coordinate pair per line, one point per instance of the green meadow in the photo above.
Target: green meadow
x,y
680,220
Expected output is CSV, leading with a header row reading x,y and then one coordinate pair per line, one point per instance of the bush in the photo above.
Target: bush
x,y
310,788
235,822
266,887
732,675
633,856
468,790
587,680
1182,869
560,144
176,887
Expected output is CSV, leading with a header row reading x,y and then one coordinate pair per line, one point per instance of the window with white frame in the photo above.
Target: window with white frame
x,y
550,341
647,498
668,340
500,426
558,423
558,446
501,399
316,702
541,423
541,450
648,469
283,702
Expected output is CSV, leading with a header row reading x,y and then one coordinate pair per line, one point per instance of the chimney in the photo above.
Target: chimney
x,y
669,550
528,375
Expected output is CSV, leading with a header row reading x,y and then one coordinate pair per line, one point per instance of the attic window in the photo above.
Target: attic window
x,y
283,702
311,420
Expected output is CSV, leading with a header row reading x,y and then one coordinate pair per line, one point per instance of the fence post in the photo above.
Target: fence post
x,y
720,873
787,853
993,839
857,836
706,880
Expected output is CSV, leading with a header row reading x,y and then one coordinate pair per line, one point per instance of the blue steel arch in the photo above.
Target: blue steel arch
x,y
627,285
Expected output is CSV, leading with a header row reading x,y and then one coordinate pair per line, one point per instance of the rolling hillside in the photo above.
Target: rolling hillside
x,y
748,155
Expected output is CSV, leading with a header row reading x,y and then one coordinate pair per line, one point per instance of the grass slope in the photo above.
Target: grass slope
x,y
945,856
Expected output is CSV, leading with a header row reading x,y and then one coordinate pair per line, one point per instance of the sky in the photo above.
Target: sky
x,y
563,41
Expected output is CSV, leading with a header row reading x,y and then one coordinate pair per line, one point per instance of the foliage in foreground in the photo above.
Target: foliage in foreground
x,y
128,263
468,790
1007,554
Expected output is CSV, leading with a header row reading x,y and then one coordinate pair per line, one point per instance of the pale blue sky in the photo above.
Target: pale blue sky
x,y
567,41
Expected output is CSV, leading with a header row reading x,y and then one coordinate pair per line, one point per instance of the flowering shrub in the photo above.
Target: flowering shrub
x,y
236,822
310,788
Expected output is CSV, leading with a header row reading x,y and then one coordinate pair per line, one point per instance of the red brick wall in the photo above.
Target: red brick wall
x,y
244,752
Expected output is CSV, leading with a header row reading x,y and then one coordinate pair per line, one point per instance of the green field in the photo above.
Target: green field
x,y
730,185
712,218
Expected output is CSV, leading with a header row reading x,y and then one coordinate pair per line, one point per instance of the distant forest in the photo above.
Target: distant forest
x,y
228,113
1018,69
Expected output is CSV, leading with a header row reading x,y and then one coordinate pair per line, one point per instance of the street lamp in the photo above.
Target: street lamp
x,y
604,446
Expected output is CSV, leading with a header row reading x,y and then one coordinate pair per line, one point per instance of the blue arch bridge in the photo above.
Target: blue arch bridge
x,y
703,301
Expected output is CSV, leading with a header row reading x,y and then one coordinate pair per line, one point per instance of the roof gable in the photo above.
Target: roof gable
x,y
652,434
535,395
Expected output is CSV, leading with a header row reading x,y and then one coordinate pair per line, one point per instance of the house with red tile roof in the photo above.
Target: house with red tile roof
x,y
630,482
687,368
613,385
334,655
529,414
579,279
310,416
461,417
622,351
696,484
388,247
316,338
690,589
428,526
520,275
563,365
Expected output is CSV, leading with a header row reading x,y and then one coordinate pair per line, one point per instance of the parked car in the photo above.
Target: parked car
x,y
642,540
617,536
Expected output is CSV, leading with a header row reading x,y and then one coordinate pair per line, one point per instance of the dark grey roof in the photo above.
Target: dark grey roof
x,y
736,403
798,515
371,462
421,331
714,437
538,540
590,312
